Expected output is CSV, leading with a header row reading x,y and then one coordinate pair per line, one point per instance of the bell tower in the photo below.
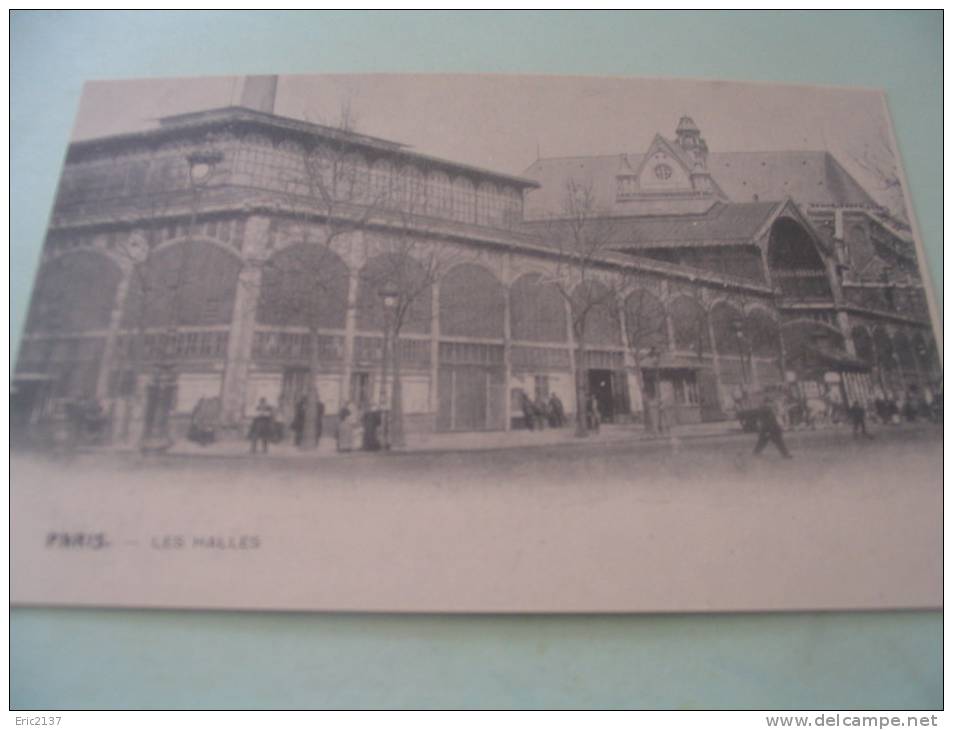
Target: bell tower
x,y
689,138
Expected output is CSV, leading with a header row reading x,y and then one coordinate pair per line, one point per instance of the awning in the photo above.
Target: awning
x,y
836,359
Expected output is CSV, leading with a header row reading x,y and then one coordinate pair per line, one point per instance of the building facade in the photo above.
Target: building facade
x,y
245,253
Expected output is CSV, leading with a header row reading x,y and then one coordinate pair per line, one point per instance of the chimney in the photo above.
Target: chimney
x,y
258,93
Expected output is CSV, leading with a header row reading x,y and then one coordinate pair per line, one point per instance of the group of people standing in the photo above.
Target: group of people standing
x,y
266,429
352,431
541,413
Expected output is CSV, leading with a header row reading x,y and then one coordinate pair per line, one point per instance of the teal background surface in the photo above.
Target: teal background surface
x,y
71,658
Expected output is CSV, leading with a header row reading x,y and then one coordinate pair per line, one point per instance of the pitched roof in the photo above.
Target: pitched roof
x,y
724,224
812,177
217,118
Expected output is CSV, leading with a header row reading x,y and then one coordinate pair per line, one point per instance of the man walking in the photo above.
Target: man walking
x,y
858,419
770,430
261,426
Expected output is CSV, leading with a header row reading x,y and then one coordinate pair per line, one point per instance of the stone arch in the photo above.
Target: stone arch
x,y
602,321
537,310
728,324
303,285
74,292
472,303
795,261
190,282
645,321
404,275
863,344
690,324
182,240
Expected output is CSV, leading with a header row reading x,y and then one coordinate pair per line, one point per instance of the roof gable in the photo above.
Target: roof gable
x,y
663,170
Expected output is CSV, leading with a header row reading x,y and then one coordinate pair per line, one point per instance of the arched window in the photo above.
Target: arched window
x,y
690,325
404,276
190,283
304,285
904,351
472,303
727,322
883,347
645,321
74,292
602,319
763,334
537,311
796,265
863,344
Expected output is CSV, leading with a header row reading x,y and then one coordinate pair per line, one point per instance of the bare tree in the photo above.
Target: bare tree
x,y
329,197
876,158
406,266
587,240
645,330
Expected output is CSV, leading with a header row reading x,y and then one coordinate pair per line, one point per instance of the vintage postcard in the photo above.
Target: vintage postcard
x,y
478,343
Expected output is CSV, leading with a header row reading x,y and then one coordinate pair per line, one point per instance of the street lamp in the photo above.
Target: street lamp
x,y
390,299
655,355
743,350
160,393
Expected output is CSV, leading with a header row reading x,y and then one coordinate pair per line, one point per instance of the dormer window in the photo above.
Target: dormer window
x,y
627,186
663,171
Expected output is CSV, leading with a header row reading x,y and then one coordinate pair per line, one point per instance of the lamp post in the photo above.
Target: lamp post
x,y
390,298
655,355
160,393
743,350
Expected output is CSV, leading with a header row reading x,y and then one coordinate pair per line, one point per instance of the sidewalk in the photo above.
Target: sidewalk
x,y
474,441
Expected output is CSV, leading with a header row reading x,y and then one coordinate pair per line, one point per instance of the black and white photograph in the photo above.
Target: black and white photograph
x,y
479,343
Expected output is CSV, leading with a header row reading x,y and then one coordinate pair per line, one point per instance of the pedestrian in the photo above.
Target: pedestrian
x,y
770,430
592,413
261,426
319,421
346,418
541,411
557,414
858,419
297,423
529,412
664,427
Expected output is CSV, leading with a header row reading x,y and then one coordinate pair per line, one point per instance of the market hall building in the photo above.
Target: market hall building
x,y
177,247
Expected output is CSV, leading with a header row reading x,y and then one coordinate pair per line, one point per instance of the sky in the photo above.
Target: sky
x,y
502,122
